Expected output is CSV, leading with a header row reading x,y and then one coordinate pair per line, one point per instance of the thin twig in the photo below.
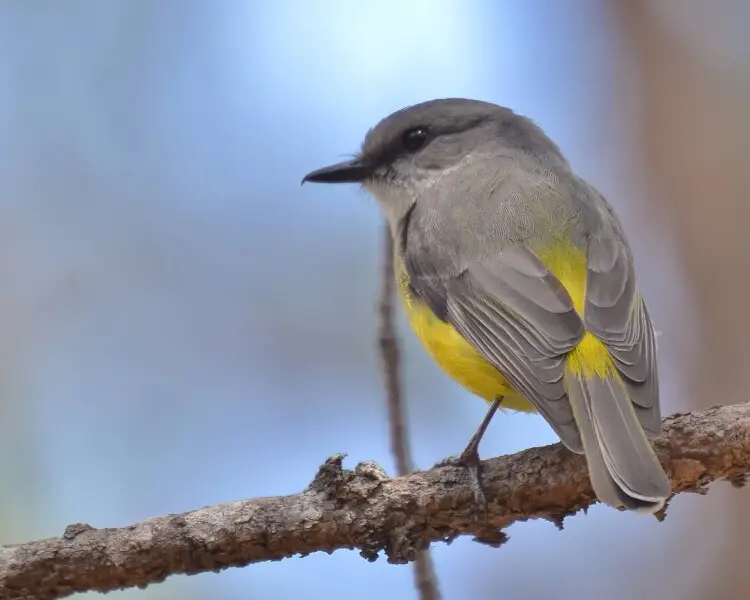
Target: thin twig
x,y
424,569
391,362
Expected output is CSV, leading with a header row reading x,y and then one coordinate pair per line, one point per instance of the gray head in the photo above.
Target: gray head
x,y
408,151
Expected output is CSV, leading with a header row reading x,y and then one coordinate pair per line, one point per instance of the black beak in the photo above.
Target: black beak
x,y
351,171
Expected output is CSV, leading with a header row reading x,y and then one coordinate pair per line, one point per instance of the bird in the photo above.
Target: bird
x,y
518,279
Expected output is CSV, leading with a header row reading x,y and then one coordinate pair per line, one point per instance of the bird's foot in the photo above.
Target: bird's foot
x,y
469,459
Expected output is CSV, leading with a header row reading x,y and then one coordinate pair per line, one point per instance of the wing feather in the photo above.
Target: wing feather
x,y
519,317
616,313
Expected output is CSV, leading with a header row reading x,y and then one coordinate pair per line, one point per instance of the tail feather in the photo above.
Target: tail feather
x,y
622,464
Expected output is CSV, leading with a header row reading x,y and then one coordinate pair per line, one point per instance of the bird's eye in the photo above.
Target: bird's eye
x,y
414,139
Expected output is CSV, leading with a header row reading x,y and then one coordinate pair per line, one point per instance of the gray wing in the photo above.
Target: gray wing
x,y
616,313
516,314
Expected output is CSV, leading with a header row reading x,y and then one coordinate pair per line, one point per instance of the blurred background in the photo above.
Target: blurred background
x,y
182,324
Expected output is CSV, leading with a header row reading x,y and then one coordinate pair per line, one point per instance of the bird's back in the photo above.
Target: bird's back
x,y
487,205
464,220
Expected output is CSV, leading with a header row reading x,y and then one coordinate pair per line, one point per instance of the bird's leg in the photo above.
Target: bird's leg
x,y
469,458
470,455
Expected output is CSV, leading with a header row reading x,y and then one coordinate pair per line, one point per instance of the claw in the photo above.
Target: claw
x,y
469,458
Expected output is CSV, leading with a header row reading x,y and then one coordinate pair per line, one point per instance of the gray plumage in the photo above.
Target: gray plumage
x,y
474,193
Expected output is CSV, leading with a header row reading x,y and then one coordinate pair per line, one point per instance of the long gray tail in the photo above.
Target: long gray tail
x,y
622,465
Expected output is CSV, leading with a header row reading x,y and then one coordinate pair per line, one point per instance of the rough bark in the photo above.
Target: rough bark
x,y
361,509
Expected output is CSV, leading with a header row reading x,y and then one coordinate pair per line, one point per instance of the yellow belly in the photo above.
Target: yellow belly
x,y
464,364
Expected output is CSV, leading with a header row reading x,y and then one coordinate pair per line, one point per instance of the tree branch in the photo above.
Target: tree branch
x,y
362,509
425,579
